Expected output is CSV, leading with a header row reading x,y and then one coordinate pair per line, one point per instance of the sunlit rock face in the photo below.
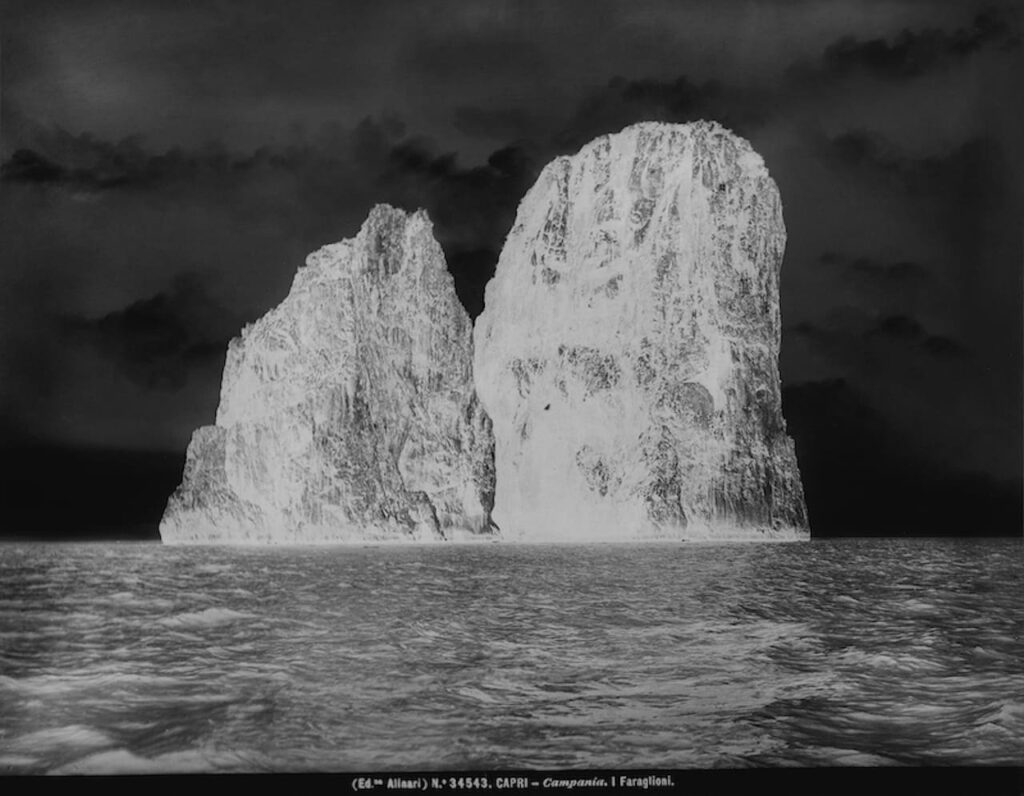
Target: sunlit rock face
x,y
347,413
628,350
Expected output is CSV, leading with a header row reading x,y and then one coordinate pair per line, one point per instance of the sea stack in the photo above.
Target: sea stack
x,y
628,349
348,412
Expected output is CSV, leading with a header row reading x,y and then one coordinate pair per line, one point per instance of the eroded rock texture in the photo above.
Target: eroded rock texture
x,y
628,350
348,412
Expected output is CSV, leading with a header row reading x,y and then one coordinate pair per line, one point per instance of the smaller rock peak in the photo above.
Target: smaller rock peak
x,y
389,238
383,219
348,412
384,214
384,235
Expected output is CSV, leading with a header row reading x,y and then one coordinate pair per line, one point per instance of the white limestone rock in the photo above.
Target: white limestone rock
x,y
628,350
347,413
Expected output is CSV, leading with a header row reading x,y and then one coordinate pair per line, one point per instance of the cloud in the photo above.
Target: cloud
x,y
746,106
86,163
109,170
158,341
898,327
846,332
899,272
507,124
942,346
962,173
902,328
910,54
26,166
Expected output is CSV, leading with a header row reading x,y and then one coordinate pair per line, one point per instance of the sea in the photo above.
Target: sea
x,y
138,658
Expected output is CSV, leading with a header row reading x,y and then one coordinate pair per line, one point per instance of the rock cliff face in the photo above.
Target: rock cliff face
x,y
628,350
348,412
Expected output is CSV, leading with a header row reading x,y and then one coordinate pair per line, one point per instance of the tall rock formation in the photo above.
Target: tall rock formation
x,y
628,350
347,413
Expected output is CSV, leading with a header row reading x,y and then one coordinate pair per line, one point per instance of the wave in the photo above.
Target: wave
x,y
208,617
122,761
73,735
51,685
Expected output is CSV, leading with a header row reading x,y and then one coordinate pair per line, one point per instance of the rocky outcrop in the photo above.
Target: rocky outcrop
x,y
348,412
628,350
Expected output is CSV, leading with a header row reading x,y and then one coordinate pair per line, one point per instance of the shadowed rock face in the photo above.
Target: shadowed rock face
x,y
348,412
628,350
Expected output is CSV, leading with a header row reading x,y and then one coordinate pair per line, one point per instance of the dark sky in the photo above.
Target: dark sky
x,y
166,166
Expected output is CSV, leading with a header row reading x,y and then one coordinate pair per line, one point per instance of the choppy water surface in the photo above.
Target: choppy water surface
x,y
142,658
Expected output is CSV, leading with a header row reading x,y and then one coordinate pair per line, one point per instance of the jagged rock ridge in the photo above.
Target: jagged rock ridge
x,y
348,412
628,349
